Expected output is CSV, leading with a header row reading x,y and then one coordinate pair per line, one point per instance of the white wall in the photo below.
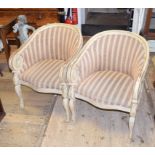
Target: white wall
x,y
138,19
83,15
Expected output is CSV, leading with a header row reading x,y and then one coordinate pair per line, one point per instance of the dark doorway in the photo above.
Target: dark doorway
x,y
101,19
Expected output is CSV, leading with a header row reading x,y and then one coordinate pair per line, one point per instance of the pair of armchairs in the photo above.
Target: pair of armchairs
x,y
108,71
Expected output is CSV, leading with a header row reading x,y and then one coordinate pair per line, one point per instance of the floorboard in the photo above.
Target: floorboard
x,y
96,127
24,127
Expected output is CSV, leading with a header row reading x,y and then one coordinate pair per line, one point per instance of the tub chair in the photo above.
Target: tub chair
x,y
109,72
38,61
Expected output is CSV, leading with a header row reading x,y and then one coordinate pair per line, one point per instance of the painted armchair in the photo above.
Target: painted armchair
x,y
109,72
38,61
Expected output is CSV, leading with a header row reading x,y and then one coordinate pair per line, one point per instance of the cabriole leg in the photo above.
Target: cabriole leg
x,y
72,109
132,117
131,125
18,90
65,101
19,93
146,85
72,102
66,107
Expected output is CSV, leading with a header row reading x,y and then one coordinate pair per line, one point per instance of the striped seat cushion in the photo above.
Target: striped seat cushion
x,y
44,74
108,87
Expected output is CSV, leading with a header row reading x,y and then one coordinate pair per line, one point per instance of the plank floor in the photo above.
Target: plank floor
x,y
23,127
96,127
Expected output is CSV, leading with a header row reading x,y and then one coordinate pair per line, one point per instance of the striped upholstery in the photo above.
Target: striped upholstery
x,y
109,68
115,52
38,61
56,41
43,74
108,87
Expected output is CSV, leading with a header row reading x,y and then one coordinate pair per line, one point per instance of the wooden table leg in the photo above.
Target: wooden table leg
x,y
2,113
6,47
3,36
1,74
154,84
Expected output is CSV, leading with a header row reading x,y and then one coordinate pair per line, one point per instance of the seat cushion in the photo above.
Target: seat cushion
x,y
108,87
44,74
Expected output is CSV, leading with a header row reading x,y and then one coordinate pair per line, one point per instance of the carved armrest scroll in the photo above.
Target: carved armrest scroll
x,y
15,61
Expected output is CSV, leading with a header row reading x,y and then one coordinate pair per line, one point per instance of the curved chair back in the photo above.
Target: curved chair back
x,y
52,41
114,50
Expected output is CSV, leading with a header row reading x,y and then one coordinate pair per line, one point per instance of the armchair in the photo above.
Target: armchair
x,y
109,72
38,61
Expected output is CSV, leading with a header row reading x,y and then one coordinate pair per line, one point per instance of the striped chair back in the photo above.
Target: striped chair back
x,y
52,41
114,50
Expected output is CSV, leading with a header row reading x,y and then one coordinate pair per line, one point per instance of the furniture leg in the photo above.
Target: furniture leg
x,y
131,125
66,107
18,90
1,74
71,102
65,101
132,117
6,46
146,85
2,112
19,93
72,109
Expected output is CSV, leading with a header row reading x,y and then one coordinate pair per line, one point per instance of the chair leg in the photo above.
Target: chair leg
x,y
64,88
66,107
146,86
131,125
72,109
132,117
71,102
18,90
19,93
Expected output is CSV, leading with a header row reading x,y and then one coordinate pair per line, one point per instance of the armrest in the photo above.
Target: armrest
x,y
78,68
138,73
27,54
139,67
15,61
22,57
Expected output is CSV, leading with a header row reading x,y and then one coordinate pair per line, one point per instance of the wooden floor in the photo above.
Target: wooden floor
x,y
96,127
23,127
